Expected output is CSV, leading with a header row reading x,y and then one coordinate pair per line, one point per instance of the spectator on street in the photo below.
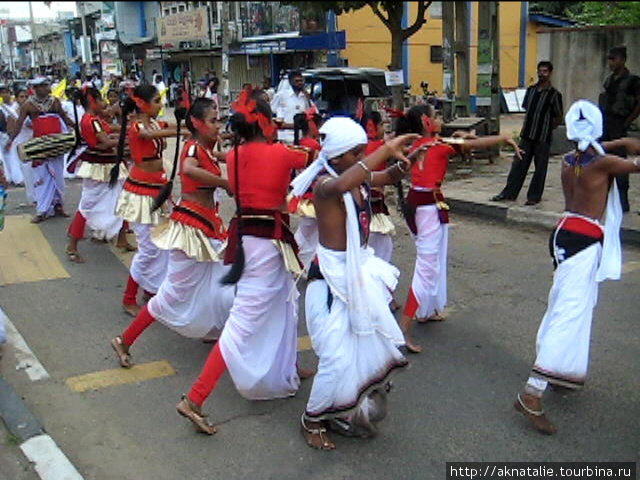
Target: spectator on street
x,y
620,106
287,103
543,105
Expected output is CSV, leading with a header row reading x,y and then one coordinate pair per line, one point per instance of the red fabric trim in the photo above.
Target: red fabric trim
x,y
211,214
276,227
46,125
152,182
583,227
412,305
76,227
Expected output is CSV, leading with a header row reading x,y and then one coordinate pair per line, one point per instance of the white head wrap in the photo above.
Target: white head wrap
x,y
584,125
40,80
341,135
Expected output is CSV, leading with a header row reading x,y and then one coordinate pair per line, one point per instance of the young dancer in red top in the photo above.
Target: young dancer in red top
x,y
427,214
190,300
98,200
146,179
306,235
258,343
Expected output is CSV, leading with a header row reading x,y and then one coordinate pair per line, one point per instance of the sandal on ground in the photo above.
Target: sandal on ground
x,y
74,256
436,317
189,410
124,358
38,218
536,417
321,432
126,248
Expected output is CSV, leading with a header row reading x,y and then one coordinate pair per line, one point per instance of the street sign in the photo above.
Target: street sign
x,y
394,78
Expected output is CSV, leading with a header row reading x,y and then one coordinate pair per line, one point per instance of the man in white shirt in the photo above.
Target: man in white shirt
x,y
289,102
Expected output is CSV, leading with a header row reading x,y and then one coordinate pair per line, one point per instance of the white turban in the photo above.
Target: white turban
x,y
584,125
40,80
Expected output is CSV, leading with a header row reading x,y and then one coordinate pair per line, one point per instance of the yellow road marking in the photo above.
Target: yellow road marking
x,y
304,343
120,376
630,267
25,254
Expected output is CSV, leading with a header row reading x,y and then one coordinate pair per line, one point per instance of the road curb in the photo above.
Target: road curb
x,y
525,216
50,462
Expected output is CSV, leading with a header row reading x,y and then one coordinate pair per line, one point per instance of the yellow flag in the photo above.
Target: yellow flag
x,y
59,90
105,89
163,95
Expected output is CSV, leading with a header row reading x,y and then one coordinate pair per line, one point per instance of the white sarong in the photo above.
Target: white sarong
x,y
306,237
48,185
98,204
191,299
429,282
351,365
259,341
149,264
562,343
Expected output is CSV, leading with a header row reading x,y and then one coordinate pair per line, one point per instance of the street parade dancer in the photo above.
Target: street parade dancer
x,y
47,117
258,344
352,329
146,179
427,214
190,300
9,111
306,235
98,199
584,253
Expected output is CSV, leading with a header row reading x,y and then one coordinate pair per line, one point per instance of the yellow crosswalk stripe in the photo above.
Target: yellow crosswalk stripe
x,y
25,254
120,376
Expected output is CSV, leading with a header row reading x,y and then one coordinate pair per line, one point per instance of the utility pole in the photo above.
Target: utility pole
x,y
488,90
448,64
33,37
86,52
226,40
461,49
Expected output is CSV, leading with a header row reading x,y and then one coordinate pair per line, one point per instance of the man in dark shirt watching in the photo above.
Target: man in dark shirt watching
x,y
620,106
543,104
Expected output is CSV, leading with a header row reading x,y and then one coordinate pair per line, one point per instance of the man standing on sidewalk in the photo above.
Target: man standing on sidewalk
x,y
620,105
543,104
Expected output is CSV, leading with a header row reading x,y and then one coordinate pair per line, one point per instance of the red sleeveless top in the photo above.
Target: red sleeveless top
x,y
430,171
205,159
143,150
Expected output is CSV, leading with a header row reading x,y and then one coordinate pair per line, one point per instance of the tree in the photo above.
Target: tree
x,y
592,13
390,14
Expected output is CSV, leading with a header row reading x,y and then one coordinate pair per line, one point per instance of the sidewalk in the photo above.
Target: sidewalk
x,y
470,186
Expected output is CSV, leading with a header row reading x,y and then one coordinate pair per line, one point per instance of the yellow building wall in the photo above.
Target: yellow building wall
x,y
369,45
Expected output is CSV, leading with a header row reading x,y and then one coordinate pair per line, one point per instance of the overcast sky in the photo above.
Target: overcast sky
x,y
40,10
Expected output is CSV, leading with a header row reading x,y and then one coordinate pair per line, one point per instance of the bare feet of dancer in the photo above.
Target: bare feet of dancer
x,y
72,251
531,407
304,373
132,309
405,326
193,412
436,317
315,434
123,243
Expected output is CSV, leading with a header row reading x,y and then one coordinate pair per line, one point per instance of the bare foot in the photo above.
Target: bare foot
x,y
410,346
122,351
304,373
58,211
436,317
190,410
133,309
531,407
315,434
126,247
393,306
38,218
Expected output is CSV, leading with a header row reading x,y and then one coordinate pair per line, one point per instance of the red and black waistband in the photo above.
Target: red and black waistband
x,y
201,217
145,183
581,226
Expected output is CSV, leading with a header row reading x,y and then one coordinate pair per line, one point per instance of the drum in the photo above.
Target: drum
x,y
46,147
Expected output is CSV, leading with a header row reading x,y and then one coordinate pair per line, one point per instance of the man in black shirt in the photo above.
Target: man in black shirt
x,y
620,106
543,104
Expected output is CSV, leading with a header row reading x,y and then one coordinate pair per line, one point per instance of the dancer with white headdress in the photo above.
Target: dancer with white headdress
x,y
584,253
352,329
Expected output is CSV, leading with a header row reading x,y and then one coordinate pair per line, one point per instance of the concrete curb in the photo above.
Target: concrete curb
x,y
50,462
524,216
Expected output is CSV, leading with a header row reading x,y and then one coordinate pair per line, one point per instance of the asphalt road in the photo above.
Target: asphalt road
x,y
454,403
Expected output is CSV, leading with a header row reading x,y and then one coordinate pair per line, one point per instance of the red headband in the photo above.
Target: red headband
x,y
310,114
247,107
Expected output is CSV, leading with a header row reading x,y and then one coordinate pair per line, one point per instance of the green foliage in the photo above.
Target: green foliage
x,y
609,13
591,13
